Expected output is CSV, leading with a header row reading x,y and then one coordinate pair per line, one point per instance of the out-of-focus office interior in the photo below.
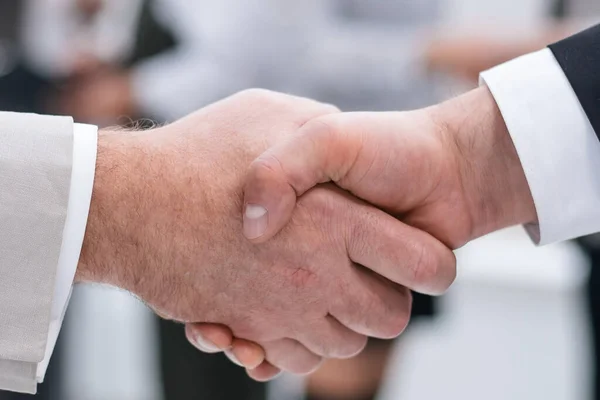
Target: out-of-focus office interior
x,y
520,322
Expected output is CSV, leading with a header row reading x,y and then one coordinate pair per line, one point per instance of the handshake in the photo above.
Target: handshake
x,y
282,231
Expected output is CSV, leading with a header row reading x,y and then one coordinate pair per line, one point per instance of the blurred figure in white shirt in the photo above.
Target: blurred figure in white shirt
x,y
328,49
222,47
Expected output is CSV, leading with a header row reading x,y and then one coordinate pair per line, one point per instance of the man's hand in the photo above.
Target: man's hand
x,y
468,54
450,170
165,224
100,96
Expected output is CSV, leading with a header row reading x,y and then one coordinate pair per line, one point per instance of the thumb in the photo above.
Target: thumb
x,y
320,152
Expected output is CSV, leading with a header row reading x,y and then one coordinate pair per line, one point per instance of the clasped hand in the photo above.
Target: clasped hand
x,y
282,231
425,168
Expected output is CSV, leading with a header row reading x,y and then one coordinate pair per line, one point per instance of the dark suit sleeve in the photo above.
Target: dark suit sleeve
x,y
579,58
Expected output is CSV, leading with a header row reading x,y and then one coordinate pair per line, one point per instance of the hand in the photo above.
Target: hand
x,y
102,96
450,170
165,224
467,55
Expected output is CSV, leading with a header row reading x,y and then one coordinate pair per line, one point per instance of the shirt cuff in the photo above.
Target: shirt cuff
x,y
557,146
85,143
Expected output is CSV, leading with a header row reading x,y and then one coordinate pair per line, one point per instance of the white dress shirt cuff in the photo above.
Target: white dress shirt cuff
x,y
557,146
85,139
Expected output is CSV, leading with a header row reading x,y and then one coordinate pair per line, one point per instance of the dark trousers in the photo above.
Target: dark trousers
x,y
191,375
593,297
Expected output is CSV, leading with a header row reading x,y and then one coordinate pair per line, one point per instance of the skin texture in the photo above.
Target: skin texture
x,y
165,224
450,170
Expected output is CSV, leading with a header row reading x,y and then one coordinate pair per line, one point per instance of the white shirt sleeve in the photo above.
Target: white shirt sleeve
x,y
557,146
80,194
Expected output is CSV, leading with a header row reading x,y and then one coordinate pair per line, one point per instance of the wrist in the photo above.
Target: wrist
x,y
104,243
145,214
494,185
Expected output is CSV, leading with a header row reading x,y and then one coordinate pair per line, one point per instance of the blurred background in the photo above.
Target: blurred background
x,y
520,322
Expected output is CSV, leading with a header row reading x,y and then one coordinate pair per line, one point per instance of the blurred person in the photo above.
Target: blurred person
x,y
220,48
474,49
89,43
19,86
324,49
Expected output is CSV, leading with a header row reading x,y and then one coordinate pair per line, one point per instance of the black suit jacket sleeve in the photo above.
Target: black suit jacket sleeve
x,y
579,58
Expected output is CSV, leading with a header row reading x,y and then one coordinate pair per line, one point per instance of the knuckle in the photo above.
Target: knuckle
x,y
263,101
320,130
433,269
266,165
424,266
329,135
330,108
255,94
267,178
286,101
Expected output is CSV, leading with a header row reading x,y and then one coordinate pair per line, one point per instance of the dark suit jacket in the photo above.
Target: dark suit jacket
x,y
579,58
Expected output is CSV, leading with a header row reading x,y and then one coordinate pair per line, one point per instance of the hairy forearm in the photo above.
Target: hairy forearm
x,y
114,249
492,176
97,261
139,225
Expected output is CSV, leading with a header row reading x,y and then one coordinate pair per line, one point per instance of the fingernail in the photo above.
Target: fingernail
x,y
233,358
205,344
255,221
